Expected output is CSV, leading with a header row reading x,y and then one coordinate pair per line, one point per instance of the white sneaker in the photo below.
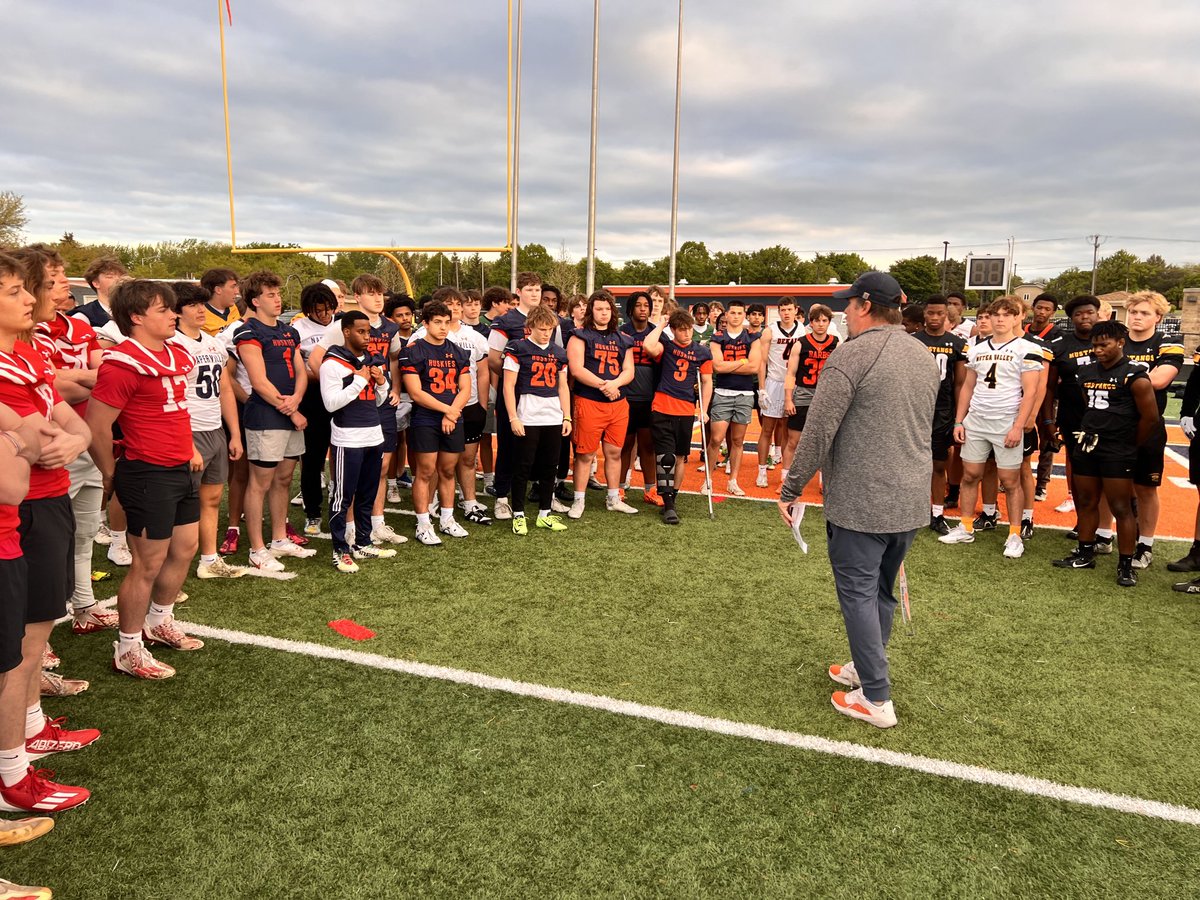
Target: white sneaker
x,y
734,489
265,560
761,480
298,500
119,555
383,534
700,468
312,527
616,504
453,529
637,464
427,536
845,674
393,493
958,535
370,551
558,506
103,536
502,509
1014,547
287,548
855,705
219,569
575,510
1066,506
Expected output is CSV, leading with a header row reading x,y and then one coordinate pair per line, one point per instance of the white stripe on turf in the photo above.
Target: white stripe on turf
x,y
1037,787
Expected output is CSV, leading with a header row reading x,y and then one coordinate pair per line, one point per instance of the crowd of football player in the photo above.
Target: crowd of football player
x,y
126,421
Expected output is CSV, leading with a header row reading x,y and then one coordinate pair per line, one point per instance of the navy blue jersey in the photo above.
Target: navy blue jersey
x,y
379,348
681,370
566,328
538,370
512,325
439,366
361,412
482,327
729,349
96,314
278,343
603,356
645,374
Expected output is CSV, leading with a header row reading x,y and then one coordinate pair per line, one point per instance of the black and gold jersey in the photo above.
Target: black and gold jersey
x,y
1157,350
1110,411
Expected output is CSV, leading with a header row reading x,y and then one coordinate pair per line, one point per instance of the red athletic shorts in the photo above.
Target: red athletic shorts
x,y
596,421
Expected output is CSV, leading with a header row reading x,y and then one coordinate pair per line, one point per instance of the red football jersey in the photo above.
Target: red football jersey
x,y
10,541
150,388
27,387
68,343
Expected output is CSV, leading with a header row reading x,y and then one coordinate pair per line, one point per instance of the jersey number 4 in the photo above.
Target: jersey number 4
x,y
989,377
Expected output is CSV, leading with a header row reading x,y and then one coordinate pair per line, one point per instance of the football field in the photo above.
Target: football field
x,y
633,710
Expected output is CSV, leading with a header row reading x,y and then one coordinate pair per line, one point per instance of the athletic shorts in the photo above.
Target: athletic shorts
x,y
942,440
156,499
639,415
1067,426
597,421
388,425
404,415
213,447
269,447
1151,456
14,593
797,419
1031,443
732,408
431,439
1103,465
83,474
987,437
773,408
47,530
473,418
1194,462
672,434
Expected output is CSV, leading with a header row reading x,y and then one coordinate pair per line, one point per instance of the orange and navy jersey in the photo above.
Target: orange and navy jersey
x,y
731,348
682,367
603,356
278,344
641,389
27,388
362,411
813,356
439,366
538,368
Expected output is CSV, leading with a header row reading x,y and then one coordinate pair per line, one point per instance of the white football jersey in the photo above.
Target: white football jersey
x,y
998,371
204,381
780,348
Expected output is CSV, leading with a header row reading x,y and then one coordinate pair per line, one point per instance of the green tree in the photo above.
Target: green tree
x,y
953,274
13,218
846,266
772,265
1070,283
635,271
918,276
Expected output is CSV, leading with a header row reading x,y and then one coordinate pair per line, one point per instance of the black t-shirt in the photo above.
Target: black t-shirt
x,y
1110,410
948,351
1071,354
1157,350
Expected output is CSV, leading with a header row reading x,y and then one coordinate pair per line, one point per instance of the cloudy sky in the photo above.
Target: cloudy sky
x,y
878,126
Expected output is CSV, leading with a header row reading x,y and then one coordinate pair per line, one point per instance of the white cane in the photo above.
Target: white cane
x,y
707,475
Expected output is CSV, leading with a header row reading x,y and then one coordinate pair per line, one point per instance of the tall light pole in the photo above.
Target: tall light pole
x,y
516,150
675,164
945,262
1095,239
591,235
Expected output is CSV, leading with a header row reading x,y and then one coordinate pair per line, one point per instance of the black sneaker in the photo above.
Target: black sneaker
x,y
1079,559
565,493
1026,529
670,517
984,522
1072,535
594,484
1142,557
1126,577
1187,587
951,501
1190,563
939,525
1103,546
478,515
1040,494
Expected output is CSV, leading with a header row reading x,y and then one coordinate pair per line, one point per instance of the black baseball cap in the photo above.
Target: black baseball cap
x,y
878,287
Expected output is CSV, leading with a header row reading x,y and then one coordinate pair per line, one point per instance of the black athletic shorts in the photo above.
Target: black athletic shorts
x,y
672,434
1031,443
1067,426
474,417
14,592
1098,464
1151,456
797,419
389,426
47,531
640,416
942,440
431,439
156,498
1194,462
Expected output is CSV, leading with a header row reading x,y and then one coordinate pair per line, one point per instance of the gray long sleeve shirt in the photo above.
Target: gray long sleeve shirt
x,y
868,431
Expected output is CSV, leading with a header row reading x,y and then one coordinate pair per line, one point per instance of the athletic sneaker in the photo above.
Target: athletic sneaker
x,y
845,674
1066,506
290,548
1126,577
119,555
957,535
19,831
393,492
1183,587
37,793
554,523
298,500
1142,557
218,568
855,705
344,562
404,481
1078,559
312,527
10,891
384,534
670,517
564,492
169,634
651,496
57,686
939,525
558,506
1014,547
1104,546
502,508
594,484
1189,563
103,536
519,526
734,489
229,546
477,515
294,536
93,619
453,529
53,738
370,551
616,504
265,560
427,536
1040,494
1026,529
761,480
140,663
986,522
50,659
576,510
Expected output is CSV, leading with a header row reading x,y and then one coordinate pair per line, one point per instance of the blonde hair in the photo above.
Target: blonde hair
x,y
1156,300
1104,313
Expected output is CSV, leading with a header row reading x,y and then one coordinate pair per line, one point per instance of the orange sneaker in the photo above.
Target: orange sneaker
x,y
651,497
855,705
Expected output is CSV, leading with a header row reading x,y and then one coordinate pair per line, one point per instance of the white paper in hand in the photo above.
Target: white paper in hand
x,y
797,510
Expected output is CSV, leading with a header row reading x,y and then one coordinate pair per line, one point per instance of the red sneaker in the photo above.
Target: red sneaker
x,y
140,663
53,738
651,497
295,537
37,793
93,619
229,545
50,659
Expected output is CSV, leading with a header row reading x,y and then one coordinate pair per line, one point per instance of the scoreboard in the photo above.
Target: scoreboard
x,y
987,273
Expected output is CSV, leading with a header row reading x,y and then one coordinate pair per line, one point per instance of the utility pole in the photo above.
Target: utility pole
x,y
1095,239
945,262
591,216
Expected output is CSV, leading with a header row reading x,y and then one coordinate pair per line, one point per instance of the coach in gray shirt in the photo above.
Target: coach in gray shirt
x,y
868,431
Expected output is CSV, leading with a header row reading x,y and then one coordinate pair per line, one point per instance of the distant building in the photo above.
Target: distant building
x,y
1028,291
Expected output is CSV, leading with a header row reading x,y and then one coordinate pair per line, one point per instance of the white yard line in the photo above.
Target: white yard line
x,y
1037,787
